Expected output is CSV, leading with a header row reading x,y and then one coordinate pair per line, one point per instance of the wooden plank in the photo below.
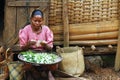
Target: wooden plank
x,y
62,73
89,42
94,36
22,17
9,22
13,40
117,59
101,50
21,20
24,3
46,14
79,78
65,23
88,28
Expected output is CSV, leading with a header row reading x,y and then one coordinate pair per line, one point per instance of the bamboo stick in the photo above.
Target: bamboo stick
x,y
90,42
96,42
94,36
117,58
65,23
87,28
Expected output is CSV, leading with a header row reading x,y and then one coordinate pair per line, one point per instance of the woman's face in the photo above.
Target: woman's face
x,y
36,21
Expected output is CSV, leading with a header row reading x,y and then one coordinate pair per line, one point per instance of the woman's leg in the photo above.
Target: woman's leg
x,y
50,76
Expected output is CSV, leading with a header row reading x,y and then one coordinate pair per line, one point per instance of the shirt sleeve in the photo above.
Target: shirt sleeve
x,y
22,37
50,38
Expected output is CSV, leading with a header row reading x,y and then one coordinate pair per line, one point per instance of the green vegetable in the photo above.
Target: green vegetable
x,y
43,58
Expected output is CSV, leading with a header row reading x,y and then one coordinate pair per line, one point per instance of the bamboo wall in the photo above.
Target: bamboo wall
x,y
89,21
81,11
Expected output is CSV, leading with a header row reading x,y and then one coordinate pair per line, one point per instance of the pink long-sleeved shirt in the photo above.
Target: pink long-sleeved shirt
x,y
26,34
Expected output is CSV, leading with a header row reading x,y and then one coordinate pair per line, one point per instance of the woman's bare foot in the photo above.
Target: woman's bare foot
x,y
50,76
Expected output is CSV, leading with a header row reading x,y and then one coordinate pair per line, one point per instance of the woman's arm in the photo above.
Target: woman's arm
x,y
24,38
27,45
46,46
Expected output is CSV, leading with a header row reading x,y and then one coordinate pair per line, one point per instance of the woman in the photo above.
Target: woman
x,y
36,36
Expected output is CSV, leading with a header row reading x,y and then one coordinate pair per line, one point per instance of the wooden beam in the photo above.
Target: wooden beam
x,y
88,28
65,23
9,23
117,59
100,50
63,74
89,42
78,78
24,3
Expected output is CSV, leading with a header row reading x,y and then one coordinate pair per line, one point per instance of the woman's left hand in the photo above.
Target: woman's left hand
x,y
43,43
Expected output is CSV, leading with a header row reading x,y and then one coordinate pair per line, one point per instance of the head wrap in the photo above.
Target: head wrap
x,y
38,13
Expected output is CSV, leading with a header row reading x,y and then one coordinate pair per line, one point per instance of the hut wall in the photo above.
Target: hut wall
x,y
17,15
89,21
2,2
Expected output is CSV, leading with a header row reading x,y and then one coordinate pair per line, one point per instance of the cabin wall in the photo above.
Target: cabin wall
x,y
75,22
2,4
17,14
84,11
90,21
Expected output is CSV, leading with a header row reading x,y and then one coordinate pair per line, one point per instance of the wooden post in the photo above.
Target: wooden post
x,y
9,22
65,23
117,59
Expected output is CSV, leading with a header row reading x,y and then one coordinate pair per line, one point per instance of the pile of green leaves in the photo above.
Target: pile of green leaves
x,y
42,58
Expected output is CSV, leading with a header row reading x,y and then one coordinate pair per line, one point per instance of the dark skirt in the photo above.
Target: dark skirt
x,y
38,72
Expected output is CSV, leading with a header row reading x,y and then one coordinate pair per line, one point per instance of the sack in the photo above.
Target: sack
x,y
73,60
16,71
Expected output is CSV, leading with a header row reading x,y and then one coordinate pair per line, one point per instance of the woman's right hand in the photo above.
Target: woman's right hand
x,y
30,43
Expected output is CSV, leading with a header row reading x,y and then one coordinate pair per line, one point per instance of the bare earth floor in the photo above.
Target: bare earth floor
x,y
102,74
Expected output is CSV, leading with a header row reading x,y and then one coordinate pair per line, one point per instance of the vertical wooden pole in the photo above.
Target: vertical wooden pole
x,y
117,59
65,23
9,22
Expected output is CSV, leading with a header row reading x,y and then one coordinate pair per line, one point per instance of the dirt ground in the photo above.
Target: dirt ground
x,y
103,74
94,72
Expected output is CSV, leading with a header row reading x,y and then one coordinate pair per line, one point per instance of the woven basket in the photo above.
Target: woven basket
x,y
15,70
3,65
84,11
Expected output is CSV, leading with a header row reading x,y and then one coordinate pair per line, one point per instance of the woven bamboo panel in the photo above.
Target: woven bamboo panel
x,y
83,11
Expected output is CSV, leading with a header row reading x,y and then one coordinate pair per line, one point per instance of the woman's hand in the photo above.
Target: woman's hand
x,y
30,43
43,43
